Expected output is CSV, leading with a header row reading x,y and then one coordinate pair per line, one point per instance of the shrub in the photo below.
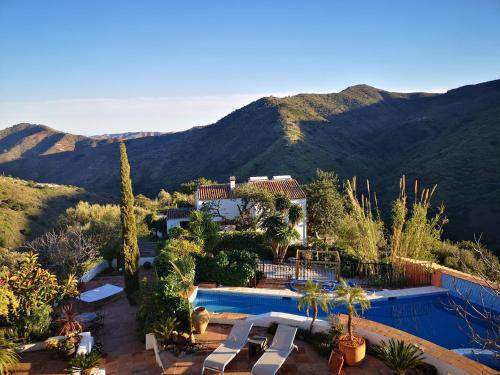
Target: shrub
x,y
398,355
231,268
160,300
253,241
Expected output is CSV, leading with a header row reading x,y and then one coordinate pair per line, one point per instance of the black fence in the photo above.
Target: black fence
x,y
366,274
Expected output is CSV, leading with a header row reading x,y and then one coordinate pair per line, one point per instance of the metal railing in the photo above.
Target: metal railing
x,y
367,274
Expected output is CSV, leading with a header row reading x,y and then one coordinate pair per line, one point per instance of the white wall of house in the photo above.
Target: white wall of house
x,y
171,223
302,225
227,207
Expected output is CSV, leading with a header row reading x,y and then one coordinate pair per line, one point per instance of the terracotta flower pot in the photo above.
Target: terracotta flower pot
x,y
354,351
200,318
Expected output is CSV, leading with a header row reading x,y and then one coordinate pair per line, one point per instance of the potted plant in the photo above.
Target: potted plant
x,y
164,330
313,298
85,364
68,347
352,347
54,346
398,355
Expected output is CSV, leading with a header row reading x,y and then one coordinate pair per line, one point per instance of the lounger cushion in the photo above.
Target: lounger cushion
x,y
100,293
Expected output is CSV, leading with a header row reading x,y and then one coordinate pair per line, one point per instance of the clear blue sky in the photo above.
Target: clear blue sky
x,y
107,66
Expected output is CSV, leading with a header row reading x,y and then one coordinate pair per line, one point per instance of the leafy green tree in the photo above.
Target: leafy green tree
x,y
325,205
130,247
253,200
190,187
101,222
163,198
181,200
313,298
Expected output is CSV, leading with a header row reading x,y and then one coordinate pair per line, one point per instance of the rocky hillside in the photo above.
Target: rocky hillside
x,y
451,139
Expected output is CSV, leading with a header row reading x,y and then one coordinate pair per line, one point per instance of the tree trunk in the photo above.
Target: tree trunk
x,y
349,326
315,315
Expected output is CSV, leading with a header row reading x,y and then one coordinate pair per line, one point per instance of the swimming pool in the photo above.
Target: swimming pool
x,y
423,316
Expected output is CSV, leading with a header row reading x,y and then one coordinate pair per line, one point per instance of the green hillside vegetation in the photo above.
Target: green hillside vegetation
x,y
450,139
29,209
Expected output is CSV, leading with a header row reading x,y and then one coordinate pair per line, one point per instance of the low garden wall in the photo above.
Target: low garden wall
x,y
445,361
460,284
94,271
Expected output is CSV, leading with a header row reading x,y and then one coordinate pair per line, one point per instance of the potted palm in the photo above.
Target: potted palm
x,y
352,347
313,298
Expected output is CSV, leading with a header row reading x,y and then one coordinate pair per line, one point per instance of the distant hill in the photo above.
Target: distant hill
x,y
451,139
28,209
124,136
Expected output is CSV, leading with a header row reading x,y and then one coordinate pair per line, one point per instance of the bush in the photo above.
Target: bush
x,y
231,268
160,300
255,242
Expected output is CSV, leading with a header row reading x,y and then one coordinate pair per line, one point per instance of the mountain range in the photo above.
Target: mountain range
x,y
450,139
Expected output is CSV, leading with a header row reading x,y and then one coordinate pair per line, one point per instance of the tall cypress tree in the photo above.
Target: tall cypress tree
x,y
130,248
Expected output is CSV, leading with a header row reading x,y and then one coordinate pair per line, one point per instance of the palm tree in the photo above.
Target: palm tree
x,y
184,272
313,298
282,203
349,296
295,214
280,234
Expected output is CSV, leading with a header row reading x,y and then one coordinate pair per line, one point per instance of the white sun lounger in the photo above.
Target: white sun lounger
x,y
224,354
101,293
277,353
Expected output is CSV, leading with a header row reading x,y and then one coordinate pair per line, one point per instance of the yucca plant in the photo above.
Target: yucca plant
x,y
163,329
84,363
313,298
398,355
8,357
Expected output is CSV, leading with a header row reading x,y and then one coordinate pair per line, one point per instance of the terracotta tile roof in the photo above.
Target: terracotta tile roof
x,y
288,187
178,213
220,191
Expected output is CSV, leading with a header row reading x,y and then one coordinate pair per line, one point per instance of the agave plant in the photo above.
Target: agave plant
x,y
398,355
8,357
70,326
83,363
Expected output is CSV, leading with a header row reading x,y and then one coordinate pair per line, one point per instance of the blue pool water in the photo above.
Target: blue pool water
x,y
423,316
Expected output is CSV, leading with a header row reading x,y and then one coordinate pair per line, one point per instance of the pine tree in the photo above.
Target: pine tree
x,y
130,248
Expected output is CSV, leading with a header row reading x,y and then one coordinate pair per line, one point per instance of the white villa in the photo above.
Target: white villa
x,y
223,197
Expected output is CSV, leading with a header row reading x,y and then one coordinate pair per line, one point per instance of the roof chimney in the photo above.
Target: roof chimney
x,y
232,182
